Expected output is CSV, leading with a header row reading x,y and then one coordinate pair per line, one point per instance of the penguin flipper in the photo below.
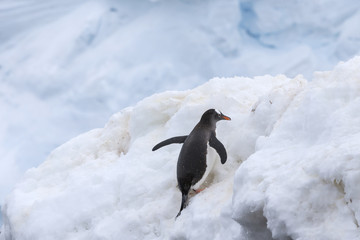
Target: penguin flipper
x,y
179,139
219,147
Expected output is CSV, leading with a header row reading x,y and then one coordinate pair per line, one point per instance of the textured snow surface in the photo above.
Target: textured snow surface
x,y
292,172
303,178
66,66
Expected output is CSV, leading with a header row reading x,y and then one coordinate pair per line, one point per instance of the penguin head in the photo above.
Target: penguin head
x,y
212,116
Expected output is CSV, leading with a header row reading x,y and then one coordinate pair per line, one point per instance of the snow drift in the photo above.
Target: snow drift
x,y
292,171
66,66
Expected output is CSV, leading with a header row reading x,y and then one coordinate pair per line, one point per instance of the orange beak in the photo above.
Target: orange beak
x,y
225,117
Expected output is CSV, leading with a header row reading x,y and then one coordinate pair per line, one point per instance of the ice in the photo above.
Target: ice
x,y
111,173
292,168
301,179
67,66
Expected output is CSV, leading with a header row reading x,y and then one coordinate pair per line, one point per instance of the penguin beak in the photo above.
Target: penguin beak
x,y
224,117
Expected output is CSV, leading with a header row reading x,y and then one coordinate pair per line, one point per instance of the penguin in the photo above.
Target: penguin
x,y
191,165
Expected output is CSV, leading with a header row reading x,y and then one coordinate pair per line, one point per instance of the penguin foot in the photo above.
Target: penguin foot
x,y
198,190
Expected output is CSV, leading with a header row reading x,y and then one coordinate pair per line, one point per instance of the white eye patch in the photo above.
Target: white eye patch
x,y
217,111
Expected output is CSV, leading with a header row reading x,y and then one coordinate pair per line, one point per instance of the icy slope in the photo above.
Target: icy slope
x,y
108,184
66,66
304,177
293,147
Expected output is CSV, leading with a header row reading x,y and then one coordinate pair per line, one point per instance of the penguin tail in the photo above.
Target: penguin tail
x,y
183,204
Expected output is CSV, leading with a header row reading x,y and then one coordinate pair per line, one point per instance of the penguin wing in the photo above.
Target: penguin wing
x,y
179,139
219,147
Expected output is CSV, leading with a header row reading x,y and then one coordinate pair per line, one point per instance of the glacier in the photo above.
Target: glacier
x,y
292,172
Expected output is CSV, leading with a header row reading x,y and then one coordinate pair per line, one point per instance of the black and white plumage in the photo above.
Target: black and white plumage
x,y
192,162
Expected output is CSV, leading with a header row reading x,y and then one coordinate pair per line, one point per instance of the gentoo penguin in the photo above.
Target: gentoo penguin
x,y
191,164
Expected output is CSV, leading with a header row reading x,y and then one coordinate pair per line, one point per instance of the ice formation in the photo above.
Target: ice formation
x,y
292,171
66,66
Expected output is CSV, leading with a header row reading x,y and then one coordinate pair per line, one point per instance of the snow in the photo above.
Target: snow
x,y
305,182
67,66
292,170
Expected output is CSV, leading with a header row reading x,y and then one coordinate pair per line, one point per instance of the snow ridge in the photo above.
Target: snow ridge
x,y
111,173
72,64
292,170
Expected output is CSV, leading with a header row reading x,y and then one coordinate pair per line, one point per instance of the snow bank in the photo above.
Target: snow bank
x,y
303,178
67,66
293,147
108,183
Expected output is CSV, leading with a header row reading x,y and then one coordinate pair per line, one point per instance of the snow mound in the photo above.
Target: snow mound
x,y
72,63
302,180
292,169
